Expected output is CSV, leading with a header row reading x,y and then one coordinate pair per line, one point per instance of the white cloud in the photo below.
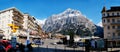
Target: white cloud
x,y
100,24
41,22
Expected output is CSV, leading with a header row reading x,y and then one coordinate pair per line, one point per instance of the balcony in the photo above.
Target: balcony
x,y
115,23
116,37
17,19
18,24
15,13
111,16
118,30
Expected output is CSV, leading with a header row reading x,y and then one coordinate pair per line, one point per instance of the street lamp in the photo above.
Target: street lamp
x,y
28,39
93,30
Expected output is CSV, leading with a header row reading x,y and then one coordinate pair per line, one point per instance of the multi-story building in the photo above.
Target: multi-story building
x,y
33,26
111,23
10,16
39,31
27,24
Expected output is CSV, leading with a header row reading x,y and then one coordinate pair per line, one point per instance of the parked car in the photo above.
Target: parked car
x,y
54,43
81,44
60,42
37,41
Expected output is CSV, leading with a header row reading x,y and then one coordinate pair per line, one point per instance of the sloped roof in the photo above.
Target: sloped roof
x,y
12,8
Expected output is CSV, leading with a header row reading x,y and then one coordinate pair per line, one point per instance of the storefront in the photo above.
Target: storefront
x,y
114,43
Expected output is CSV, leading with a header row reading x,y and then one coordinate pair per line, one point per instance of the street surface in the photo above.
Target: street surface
x,y
48,47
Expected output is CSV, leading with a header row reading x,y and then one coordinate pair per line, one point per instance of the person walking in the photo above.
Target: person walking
x,y
22,47
2,48
30,48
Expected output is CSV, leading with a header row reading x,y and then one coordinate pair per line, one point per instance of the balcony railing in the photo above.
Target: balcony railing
x,y
116,37
111,16
115,23
18,15
17,19
18,24
118,30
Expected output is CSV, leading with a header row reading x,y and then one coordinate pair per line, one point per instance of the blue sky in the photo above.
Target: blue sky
x,y
42,9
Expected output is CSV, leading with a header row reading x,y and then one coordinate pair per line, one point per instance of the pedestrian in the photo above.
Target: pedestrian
x,y
8,47
2,48
30,48
22,47
93,43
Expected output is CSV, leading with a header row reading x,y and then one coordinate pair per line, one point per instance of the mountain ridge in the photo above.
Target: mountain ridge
x,y
70,18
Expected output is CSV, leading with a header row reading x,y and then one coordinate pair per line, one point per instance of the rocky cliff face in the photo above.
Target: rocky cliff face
x,y
69,19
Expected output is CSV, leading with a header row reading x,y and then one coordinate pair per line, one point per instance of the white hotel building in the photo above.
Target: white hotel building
x,y
14,16
9,16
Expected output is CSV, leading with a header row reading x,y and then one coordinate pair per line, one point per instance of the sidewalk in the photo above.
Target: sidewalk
x,y
114,49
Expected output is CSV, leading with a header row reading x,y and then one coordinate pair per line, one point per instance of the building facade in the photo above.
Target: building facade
x,y
10,16
27,24
111,24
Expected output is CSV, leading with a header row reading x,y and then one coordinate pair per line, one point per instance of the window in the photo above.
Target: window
x,y
108,33
108,20
117,14
113,27
103,15
113,20
108,14
113,34
104,20
112,14
108,27
118,27
118,33
118,20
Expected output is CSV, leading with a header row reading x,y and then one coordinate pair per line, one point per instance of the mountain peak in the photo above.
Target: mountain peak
x,y
71,11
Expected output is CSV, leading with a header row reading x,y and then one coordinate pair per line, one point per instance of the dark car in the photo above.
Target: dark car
x,y
81,44
37,41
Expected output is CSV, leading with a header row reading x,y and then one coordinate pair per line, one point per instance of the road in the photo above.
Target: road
x,y
48,47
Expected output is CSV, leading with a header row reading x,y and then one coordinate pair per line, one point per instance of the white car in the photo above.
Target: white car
x,y
54,43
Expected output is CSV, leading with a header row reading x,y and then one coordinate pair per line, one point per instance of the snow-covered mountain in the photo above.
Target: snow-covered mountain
x,y
69,19
41,22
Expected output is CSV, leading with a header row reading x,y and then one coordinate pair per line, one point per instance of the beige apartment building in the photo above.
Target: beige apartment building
x,y
30,25
10,16
111,24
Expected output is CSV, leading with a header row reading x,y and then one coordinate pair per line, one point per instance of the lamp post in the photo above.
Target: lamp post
x,y
93,30
28,39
